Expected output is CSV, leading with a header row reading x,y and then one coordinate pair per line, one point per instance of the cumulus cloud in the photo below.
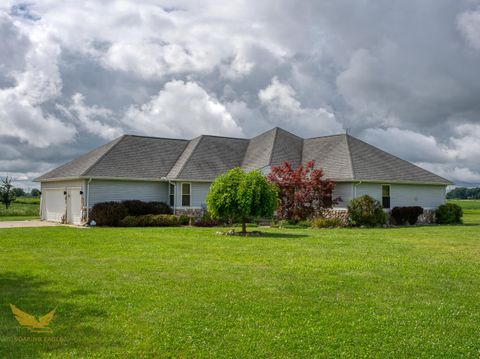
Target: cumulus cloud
x,y
407,144
21,116
469,26
402,75
285,110
92,119
182,109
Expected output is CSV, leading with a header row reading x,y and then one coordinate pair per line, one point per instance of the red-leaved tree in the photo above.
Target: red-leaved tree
x,y
303,192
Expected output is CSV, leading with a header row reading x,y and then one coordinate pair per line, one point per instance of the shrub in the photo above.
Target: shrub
x,y
403,215
206,221
150,220
184,220
321,222
140,208
366,211
161,208
303,192
449,213
108,213
129,221
164,220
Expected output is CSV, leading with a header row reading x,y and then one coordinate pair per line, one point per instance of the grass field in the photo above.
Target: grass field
x,y
22,209
471,210
186,292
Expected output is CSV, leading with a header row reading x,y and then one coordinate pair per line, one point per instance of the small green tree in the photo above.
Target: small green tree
x,y
19,192
35,192
241,196
7,194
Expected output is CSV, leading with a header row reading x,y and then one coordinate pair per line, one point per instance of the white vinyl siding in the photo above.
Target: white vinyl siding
x,y
401,195
426,196
199,193
373,190
345,192
111,190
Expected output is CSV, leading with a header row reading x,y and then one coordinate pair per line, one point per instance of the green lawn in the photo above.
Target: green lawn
x,y
23,208
186,292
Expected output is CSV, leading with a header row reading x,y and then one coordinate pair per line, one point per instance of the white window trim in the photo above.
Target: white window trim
x,y
389,194
181,195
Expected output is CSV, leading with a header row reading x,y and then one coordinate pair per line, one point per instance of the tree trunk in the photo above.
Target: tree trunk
x,y
244,227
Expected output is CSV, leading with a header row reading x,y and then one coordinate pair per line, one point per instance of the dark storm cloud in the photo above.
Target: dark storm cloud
x,y
401,75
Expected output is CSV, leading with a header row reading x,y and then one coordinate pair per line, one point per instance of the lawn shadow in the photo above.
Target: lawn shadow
x,y
34,295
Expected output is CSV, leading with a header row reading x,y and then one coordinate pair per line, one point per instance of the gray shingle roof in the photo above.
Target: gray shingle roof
x,y
139,157
259,151
77,167
331,153
342,157
371,163
213,156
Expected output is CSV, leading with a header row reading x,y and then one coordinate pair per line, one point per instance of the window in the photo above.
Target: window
x,y
386,196
185,194
172,194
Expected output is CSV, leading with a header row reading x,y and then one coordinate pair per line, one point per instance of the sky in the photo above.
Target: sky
x,y
401,75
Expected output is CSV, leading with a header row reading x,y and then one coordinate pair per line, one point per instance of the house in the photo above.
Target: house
x,y
179,172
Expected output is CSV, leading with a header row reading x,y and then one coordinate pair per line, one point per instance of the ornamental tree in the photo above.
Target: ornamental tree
x,y
241,196
303,191
7,194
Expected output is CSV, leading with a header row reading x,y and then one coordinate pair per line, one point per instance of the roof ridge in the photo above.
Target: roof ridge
x,y
229,137
159,138
200,139
273,145
312,138
119,139
349,150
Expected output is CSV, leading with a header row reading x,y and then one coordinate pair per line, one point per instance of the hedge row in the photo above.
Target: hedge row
x,y
111,213
151,220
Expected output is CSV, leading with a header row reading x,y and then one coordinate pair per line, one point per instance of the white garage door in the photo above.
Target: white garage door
x,y
74,206
54,205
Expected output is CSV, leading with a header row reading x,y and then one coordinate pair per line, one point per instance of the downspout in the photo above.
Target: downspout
x,y
355,189
88,196
40,212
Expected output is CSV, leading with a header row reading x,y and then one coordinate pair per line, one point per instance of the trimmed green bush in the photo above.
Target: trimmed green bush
x,y
449,213
207,221
129,221
108,213
111,213
366,211
184,220
321,222
140,208
150,220
404,215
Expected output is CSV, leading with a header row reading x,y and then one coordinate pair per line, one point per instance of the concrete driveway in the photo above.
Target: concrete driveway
x,y
23,224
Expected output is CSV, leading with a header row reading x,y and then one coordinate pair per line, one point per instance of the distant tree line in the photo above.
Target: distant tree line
x,y
464,193
8,193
